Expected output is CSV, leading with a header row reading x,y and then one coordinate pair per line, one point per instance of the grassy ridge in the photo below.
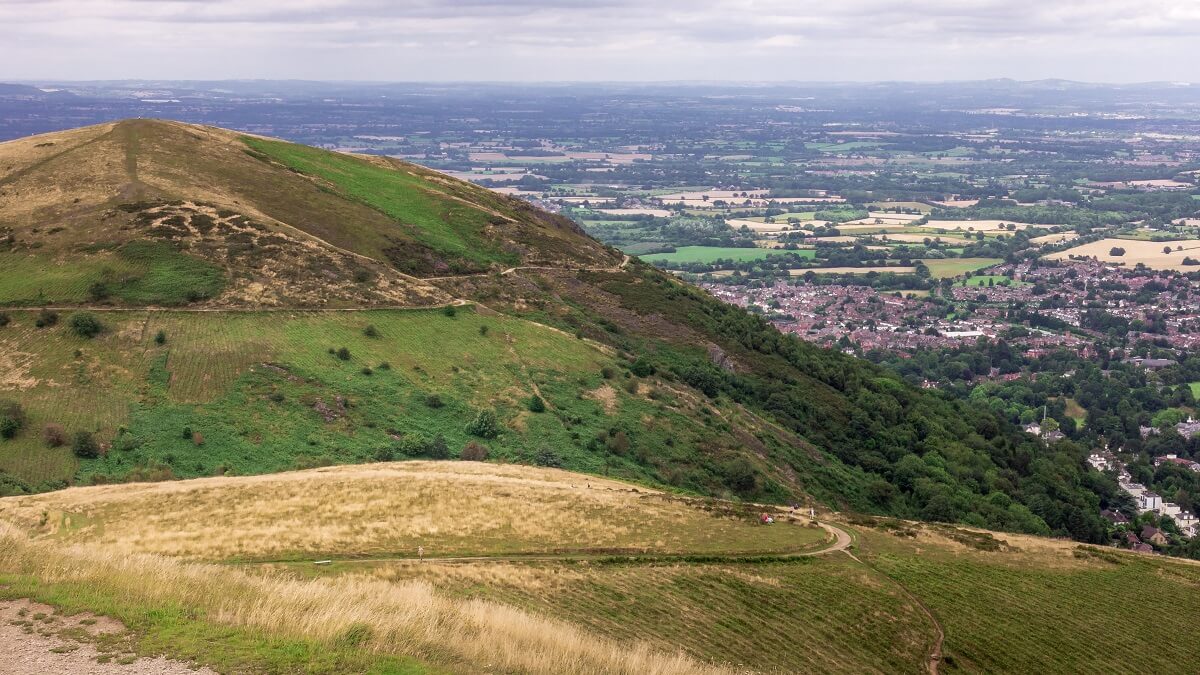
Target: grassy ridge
x,y
432,217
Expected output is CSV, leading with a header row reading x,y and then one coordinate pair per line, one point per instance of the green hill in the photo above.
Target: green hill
x,y
198,302
537,570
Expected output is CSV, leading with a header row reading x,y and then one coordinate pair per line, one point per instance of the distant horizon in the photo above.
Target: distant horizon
x,y
722,82
1108,41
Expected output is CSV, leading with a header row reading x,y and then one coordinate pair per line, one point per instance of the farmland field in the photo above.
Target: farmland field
x,y
941,268
708,254
1149,253
994,279
851,270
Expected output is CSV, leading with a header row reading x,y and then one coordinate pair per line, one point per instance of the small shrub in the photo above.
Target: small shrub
x,y
12,418
608,373
85,446
366,370
536,404
437,448
371,331
46,318
384,454
413,445
160,338
98,291
484,425
343,354
4,319
450,311
474,451
187,434
384,366
54,435
434,401
483,330
632,387
86,325
547,457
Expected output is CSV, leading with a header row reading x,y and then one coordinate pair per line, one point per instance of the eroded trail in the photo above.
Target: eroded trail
x,y
34,640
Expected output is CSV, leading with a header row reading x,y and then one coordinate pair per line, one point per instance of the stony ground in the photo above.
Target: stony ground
x,y
34,640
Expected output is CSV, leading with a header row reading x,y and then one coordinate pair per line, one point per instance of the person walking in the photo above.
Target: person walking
x,y
421,553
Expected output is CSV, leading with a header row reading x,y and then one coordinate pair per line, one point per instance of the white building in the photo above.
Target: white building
x,y
1149,501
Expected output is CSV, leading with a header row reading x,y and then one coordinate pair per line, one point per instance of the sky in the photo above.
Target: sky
x,y
601,40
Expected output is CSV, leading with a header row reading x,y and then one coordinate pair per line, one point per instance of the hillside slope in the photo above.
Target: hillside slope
x,y
541,570
113,204
181,257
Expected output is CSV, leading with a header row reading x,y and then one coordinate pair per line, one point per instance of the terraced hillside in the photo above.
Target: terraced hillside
x,y
541,570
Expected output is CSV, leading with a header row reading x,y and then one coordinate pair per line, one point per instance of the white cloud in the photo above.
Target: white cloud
x,y
599,39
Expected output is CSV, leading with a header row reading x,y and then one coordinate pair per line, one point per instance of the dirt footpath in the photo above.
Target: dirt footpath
x,y
36,641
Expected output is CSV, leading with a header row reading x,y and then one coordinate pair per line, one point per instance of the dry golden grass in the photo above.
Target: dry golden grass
x,y
450,508
408,619
1149,253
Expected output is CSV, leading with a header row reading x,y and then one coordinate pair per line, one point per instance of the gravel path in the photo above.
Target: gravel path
x,y
32,642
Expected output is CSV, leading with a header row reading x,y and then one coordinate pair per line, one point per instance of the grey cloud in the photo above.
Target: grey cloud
x,y
656,39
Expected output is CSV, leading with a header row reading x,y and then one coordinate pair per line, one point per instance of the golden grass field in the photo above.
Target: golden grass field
x,y
449,508
1004,603
1149,253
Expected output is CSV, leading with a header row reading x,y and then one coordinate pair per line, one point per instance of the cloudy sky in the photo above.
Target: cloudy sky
x,y
1094,40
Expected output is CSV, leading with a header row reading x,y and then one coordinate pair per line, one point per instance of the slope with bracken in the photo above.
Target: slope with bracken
x,y
551,348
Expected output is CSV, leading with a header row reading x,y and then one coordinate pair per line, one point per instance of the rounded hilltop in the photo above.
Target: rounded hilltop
x,y
147,212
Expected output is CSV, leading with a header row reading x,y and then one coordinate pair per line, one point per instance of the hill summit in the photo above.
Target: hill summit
x,y
149,212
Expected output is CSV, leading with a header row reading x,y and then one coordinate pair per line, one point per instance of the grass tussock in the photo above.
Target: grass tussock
x,y
406,619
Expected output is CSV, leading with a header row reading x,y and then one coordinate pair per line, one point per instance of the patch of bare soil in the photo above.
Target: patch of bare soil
x,y
34,640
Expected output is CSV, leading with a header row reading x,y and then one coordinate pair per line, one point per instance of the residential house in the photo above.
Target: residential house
x,y
1153,535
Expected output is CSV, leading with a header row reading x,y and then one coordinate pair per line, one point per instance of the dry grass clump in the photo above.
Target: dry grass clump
x,y
408,619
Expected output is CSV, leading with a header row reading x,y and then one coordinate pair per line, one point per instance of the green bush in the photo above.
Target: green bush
x,y
84,445
450,310
4,319
343,354
371,331
536,404
12,418
46,318
86,324
434,401
484,425
160,337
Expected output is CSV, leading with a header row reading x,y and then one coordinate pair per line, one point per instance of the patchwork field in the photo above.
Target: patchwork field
x,y
975,225
1149,253
708,254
